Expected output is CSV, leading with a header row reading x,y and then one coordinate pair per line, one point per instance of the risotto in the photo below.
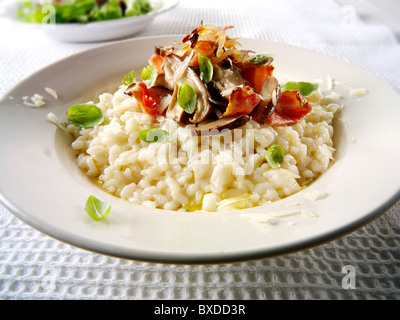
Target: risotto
x,y
216,160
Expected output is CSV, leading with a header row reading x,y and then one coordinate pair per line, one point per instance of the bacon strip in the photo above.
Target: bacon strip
x,y
242,101
290,109
156,61
256,75
149,99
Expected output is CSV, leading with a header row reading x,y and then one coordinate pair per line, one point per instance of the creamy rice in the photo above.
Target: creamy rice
x,y
213,173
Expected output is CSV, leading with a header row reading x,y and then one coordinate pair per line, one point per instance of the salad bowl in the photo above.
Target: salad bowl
x,y
97,31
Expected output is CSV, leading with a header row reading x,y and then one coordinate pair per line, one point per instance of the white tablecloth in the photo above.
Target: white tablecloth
x,y
34,266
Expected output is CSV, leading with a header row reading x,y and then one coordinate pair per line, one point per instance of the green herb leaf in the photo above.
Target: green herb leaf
x,y
153,135
206,69
129,78
258,58
187,98
96,208
275,155
85,115
149,74
306,88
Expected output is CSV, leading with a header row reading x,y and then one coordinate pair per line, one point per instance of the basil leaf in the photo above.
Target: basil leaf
x,y
149,74
85,115
129,78
153,135
306,88
275,155
206,69
258,58
187,98
96,208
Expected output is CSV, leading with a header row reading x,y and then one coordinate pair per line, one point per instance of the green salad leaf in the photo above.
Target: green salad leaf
x,y
153,135
137,7
29,13
306,88
206,69
149,74
129,78
85,115
110,10
96,208
81,11
275,155
187,98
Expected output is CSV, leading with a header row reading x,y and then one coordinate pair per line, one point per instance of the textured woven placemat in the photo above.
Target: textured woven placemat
x,y
34,266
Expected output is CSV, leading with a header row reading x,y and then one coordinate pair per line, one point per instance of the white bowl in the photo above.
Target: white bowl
x,y
41,184
102,30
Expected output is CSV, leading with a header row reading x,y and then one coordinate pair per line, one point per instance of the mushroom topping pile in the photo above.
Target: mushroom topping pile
x,y
209,82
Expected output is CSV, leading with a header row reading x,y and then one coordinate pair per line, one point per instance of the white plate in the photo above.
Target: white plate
x,y
42,186
101,30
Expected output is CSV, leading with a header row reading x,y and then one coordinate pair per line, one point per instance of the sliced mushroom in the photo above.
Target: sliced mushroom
x,y
269,93
171,65
164,51
218,126
162,96
215,96
193,37
247,55
225,80
160,82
